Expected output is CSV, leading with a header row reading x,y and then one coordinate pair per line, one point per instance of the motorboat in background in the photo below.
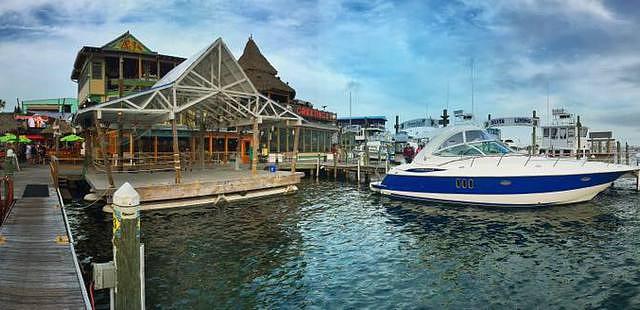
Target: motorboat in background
x,y
465,164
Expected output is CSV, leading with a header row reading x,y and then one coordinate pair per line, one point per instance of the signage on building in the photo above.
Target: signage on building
x,y
311,113
512,121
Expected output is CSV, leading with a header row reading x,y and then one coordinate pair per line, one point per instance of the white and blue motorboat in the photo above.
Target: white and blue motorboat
x,y
468,165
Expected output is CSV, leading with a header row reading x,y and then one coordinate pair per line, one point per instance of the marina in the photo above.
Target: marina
x,y
332,155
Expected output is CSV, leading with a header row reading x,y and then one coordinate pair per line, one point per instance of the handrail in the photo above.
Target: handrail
x,y
6,197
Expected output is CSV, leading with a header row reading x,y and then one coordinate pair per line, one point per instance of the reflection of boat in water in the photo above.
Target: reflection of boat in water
x,y
467,165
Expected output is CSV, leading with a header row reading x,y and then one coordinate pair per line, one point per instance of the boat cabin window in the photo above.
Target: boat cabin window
x,y
453,140
477,135
460,150
491,148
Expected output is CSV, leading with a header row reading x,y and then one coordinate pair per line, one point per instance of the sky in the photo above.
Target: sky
x,y
406,58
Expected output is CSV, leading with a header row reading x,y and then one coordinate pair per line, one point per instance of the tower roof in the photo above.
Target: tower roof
x,y
252,59
261,73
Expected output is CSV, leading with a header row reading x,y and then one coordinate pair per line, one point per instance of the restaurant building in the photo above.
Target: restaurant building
x,y
317,133
121,67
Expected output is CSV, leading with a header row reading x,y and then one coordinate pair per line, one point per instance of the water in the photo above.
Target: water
x,y
334,246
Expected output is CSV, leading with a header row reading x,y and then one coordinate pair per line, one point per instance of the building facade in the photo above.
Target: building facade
x,y
118,68
317,134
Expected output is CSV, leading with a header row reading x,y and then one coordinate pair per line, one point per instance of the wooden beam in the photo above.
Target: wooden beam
x,y
103,149
176,150
296,137
255,146
155,148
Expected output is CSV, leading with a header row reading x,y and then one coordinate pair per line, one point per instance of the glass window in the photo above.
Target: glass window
x,y
453,140
545,132
96,70
492,148
554,133
477,135
460,150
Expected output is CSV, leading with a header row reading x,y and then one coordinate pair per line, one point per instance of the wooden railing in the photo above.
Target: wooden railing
x,y
6,197
54,168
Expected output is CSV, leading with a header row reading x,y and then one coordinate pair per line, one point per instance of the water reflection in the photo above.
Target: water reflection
x,y
334,246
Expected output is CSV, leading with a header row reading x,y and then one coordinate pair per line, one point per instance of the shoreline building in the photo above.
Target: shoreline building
x,y
120,67
602,145
317,134
559,138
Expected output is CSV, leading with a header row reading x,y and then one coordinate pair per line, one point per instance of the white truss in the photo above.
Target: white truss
x,y
211,85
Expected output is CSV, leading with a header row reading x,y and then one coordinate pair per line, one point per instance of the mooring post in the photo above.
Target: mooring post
x,y
296,138
335,165
176,149
359,160
255,144
618,152
126,248
626,152
103,149
318,167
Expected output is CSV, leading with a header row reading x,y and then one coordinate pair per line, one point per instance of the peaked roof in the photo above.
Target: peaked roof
x,y
261,73
127,42
252,59
209,86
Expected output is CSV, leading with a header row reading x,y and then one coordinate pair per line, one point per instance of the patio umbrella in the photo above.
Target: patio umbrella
x,y
24,139
8,137
71,138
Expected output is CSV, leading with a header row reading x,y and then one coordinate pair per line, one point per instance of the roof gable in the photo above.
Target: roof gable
x,y
128,43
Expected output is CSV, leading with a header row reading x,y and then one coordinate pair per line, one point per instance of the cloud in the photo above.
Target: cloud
x,y
397,57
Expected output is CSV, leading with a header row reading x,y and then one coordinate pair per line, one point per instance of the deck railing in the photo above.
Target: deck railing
x,y
6,197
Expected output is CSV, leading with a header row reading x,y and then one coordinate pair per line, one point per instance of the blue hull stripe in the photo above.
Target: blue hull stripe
x,y
495,185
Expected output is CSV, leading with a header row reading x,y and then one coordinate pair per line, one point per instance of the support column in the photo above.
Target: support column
x,y
176,150
201,148
155,148
296,137
255,145
119,144
121,77
226,147
278,143
211,146
131,148
103,149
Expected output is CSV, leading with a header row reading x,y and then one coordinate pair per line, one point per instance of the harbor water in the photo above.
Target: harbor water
x,y
334,245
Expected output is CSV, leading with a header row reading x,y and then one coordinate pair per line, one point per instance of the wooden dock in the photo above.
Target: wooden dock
x,y
220,182
38,265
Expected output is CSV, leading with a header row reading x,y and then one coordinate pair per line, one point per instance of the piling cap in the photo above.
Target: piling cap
x,y
126,196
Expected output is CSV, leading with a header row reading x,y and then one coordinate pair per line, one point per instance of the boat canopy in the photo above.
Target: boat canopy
x,y
463,141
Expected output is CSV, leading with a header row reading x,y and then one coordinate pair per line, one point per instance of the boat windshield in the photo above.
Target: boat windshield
x,y
475,143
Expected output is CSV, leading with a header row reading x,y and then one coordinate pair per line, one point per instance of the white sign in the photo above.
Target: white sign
x,y
512,121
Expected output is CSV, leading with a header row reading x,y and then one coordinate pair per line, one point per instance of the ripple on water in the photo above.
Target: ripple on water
x,y
333,245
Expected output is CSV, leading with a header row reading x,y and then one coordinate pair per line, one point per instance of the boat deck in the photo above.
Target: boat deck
x,y
38,268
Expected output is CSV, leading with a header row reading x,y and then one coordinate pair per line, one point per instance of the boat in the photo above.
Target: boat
x,y
467,165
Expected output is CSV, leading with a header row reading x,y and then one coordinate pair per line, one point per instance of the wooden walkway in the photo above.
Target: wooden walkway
x,y
38,266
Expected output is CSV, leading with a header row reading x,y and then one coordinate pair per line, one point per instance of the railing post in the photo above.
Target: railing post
x,y
126,248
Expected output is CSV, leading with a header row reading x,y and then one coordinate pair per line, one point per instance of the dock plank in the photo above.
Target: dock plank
x,y
36,272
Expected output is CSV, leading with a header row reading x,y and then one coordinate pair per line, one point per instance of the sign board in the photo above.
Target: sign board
x,y
512,121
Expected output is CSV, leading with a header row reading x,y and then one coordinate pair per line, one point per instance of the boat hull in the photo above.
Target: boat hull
x,y
498,191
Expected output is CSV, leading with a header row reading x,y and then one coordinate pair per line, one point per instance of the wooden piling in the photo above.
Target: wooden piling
x,y
296,138
103,150
126,248
255,144
176,150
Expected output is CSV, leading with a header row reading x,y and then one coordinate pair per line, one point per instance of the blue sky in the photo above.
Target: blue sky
x,y
396,57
